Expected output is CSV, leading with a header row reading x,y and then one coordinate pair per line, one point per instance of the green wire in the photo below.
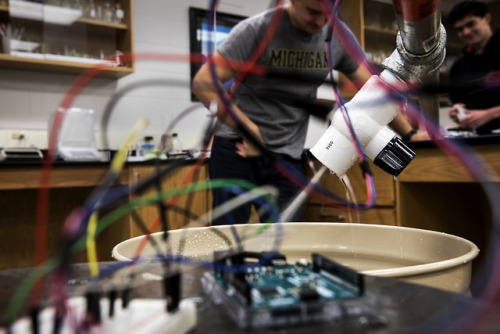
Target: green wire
x,y
24,289
125,209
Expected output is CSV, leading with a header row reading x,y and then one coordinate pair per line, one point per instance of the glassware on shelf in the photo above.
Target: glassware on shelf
x,y
99,11
118,58
108,12
119,14
91,12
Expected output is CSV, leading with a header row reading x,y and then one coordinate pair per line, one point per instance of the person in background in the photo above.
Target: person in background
x,y
275,108
477,72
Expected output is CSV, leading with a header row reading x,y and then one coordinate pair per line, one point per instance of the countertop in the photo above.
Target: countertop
x,y
59,162
473,140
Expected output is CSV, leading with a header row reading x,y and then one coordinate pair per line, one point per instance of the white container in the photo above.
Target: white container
x,y
5,45
175,146
419,256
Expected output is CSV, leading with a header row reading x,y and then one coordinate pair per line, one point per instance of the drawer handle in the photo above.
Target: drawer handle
x,y
337,218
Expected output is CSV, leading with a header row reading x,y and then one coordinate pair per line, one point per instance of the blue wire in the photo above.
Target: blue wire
x,y
346,112
228,106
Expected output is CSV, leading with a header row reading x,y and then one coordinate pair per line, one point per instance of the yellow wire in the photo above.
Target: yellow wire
x,y
91,247
116,167
121,155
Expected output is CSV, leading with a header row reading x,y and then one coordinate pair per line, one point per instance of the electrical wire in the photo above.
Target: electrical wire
x,y
370,186
91,248
261,47
458,152
489,271
44,192
247,134
205,142
73,92
50,265
115,169
84,219
473,168
279,164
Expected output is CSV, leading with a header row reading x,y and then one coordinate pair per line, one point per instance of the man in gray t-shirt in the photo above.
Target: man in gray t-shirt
x,y
274,107
296,63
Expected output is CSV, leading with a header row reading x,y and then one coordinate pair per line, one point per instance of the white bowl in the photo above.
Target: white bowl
x,y
419,256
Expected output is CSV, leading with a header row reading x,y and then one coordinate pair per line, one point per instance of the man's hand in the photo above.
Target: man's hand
x,y
475,118
420,135
247,150
458,112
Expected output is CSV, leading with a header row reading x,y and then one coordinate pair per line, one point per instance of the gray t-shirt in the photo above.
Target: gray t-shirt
x,y
297,63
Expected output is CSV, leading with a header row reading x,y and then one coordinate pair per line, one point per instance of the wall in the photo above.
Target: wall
x,y
29,98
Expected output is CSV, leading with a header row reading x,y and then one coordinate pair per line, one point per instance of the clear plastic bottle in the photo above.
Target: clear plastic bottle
x,y
175,145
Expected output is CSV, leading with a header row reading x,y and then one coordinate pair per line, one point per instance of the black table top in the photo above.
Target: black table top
x,y
405,307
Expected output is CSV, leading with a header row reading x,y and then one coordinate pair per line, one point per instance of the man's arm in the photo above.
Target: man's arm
x,y
205,90
475,118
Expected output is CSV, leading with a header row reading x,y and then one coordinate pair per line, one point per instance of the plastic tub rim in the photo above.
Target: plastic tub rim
x,y
403,271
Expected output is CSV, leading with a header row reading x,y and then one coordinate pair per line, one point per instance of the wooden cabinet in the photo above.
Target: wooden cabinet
x,y
70,186
436,193
383,211
181,210
373,22
66,36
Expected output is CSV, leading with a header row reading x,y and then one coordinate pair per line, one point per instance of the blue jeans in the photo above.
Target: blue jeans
x,y
226,163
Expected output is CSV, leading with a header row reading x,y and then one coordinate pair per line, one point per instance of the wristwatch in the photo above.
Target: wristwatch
x,y
408,135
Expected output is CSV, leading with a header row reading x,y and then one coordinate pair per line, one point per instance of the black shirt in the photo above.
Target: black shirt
x,y
471,80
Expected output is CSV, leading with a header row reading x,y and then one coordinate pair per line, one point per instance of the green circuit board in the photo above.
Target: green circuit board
x,y
280,293
291,285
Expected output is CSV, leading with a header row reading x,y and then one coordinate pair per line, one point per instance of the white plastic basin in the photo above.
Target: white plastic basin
x,y
419,256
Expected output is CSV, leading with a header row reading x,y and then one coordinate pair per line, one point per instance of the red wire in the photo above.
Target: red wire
x,y
368,177
44,187
246,69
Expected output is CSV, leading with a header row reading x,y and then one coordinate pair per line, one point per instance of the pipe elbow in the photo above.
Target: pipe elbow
x,y
412,67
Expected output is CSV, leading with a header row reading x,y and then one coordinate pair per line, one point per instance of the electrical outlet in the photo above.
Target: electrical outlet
x,y
25,138
15,138
18,136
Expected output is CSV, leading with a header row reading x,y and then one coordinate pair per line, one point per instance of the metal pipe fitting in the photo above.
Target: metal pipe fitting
x,y
420,43
416,67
